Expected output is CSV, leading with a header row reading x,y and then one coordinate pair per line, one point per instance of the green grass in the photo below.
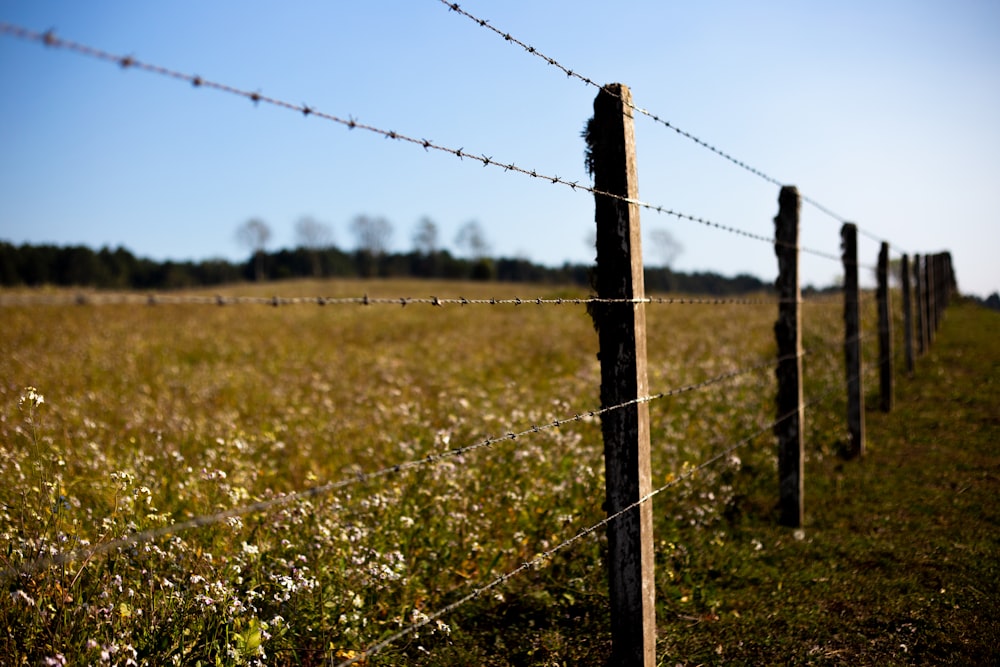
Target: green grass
x,y
153,415
898,564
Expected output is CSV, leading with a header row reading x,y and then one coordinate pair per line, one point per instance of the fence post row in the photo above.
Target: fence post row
x,y
947,280
621,331
931,322
918,297
941,288
907,314
884,331
852,343
788,334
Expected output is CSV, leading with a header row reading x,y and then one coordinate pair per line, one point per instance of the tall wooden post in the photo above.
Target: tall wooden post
x,y
852,343
918,297
950,285
622,333
940,274
788,334
907,314
884,331
936,277
929,298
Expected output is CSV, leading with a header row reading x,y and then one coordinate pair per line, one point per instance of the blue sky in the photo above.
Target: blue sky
x,y
885,112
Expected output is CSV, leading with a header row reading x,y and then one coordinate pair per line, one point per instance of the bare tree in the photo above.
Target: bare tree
x,y
254,234
425,239
373,236
314,236
471,240
664,246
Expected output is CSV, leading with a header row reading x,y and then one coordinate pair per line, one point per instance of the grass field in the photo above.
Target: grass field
x,y
145,416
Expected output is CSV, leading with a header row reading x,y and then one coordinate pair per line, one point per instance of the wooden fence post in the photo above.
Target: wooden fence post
x,y
621,330
936,290
907,314
918,297
929,298
788,334
950,286
884,331
941,274
852,343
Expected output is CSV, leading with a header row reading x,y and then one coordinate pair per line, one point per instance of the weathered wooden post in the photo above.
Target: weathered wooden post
x,y
918,297
950,285
621,330
936,290
907,314
947,280
852,343
788,334
884,331
929,295
940,274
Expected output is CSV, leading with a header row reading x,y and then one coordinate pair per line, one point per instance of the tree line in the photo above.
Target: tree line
x,y
106,268
316,255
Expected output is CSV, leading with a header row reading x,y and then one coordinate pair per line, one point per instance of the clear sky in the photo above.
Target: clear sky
x,y
887,112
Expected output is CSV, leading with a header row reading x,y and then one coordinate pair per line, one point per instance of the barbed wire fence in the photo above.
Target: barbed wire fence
x,y
933,275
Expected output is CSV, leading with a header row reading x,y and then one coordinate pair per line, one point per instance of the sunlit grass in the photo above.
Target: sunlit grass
x,y
153,415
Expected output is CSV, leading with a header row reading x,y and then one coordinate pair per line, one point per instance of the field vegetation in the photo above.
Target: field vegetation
x,y
118,420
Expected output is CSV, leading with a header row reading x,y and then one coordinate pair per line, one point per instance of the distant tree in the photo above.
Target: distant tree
x,y
373,235
426,254
78,265
664,246
471,241
425,239
254,234
9,259
315,237
313,234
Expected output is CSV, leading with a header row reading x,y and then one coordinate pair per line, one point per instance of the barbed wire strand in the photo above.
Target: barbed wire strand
x,y
98,298
49,39
590,82
324,489
455,7
541,558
